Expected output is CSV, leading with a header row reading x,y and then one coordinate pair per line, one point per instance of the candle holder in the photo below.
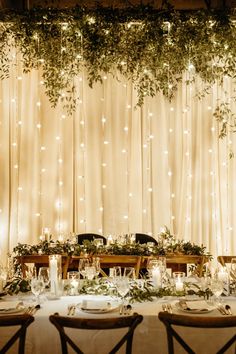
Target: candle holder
x,y
74,279
179,281
46,234
55,273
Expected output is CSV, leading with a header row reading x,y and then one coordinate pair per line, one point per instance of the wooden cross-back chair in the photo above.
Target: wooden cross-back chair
x,y
170,320
90,237
22,320
129,322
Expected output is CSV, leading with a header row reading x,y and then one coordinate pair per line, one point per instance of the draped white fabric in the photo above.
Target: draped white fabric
x,y
111,167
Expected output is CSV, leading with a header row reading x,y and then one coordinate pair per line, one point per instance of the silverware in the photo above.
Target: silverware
x,y
228,309
71,310
222,310
164,308
129,309
35,309
121,309
169,308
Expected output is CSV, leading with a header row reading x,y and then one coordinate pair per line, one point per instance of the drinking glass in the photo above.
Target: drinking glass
x,y
73,278
44,275
96,264
37,287
217,288
122,287
233,268
153,263
83,264
233,276
129,272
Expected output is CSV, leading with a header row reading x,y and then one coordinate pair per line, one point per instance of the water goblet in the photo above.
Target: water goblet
x,y
44,275
83,264
122,287
217,288
37,287
96,264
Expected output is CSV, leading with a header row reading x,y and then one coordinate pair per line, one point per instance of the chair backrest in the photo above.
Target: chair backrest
x,y
106,261
17,320
143,238
89,237
129,322
197,322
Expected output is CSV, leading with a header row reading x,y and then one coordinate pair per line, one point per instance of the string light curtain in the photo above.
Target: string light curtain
x,y
112,167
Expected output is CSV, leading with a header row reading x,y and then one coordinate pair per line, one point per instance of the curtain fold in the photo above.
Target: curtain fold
x,y
113,167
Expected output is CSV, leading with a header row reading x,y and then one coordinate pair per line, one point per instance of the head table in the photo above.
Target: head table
x,y
150,336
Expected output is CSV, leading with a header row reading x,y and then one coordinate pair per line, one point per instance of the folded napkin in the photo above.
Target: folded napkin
x,y
94,305
9,305
193,306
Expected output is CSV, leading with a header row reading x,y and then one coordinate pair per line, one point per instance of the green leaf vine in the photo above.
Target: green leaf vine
x,y
149,47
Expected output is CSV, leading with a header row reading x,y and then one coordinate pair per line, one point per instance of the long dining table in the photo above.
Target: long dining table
x,y
150,336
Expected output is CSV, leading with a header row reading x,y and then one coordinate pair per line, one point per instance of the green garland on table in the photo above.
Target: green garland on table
x,y
167,245
105,286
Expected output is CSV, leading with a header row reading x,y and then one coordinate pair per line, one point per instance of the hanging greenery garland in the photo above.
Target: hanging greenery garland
x,y
151,48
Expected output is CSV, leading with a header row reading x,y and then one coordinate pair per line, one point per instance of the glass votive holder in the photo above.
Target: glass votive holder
x,y
179,281
73,278
150,246
98,242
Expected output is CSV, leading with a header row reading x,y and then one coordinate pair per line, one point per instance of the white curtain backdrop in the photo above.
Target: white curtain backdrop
x,y
112,167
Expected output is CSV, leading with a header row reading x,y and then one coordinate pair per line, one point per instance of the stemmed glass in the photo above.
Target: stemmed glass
x,y
217,288
83,264
233,276
96,265
37,287
122,286
129,272
44,275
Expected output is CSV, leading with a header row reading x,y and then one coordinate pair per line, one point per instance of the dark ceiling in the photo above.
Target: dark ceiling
x,y
178,4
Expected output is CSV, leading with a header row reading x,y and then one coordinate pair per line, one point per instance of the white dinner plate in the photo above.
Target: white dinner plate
x,y
196,307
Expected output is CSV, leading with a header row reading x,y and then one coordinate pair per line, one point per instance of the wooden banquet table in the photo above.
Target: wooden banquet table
x,y
150,336
174,261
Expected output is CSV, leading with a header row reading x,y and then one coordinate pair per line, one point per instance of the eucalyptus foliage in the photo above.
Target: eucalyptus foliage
x,y
151,48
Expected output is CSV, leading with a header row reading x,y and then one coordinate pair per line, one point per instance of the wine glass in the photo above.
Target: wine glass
x,y
96,264
233,276
217,288
122,287
233,268
83,264
129,272
44,275
37,287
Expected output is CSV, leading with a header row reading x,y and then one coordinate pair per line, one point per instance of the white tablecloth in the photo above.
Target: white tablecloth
x,y
150,335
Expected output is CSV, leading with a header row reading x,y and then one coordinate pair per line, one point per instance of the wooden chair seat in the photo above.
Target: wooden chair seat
x,y
129,322
23,321
170,320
